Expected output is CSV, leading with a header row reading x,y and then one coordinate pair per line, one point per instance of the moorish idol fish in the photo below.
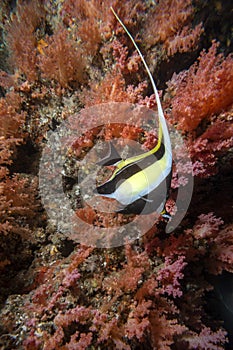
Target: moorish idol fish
x,y
142,181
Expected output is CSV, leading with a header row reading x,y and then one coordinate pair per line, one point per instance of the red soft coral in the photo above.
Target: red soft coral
x,y
204,90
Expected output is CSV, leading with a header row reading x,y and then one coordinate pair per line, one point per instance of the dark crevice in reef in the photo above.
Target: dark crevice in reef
x,y
219,302
26,160
214,190
217,21
21,258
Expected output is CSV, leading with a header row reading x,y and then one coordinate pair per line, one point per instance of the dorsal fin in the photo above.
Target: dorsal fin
x,y
111,158
163,130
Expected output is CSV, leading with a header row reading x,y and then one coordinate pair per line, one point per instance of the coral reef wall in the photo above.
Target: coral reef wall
x,y
162,291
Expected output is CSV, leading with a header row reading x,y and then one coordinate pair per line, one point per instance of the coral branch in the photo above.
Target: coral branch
x,y
204,90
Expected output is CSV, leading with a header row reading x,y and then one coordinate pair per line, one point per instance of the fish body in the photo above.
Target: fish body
x,y
142,181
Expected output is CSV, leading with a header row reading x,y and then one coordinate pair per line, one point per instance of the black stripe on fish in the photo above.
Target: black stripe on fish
x,y
129,170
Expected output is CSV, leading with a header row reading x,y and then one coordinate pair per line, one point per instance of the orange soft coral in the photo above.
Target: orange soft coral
x,y
62,59
112,88
169,24
204,90
22,37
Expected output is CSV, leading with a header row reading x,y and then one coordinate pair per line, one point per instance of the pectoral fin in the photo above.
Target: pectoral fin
x,y
112,157
147,200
